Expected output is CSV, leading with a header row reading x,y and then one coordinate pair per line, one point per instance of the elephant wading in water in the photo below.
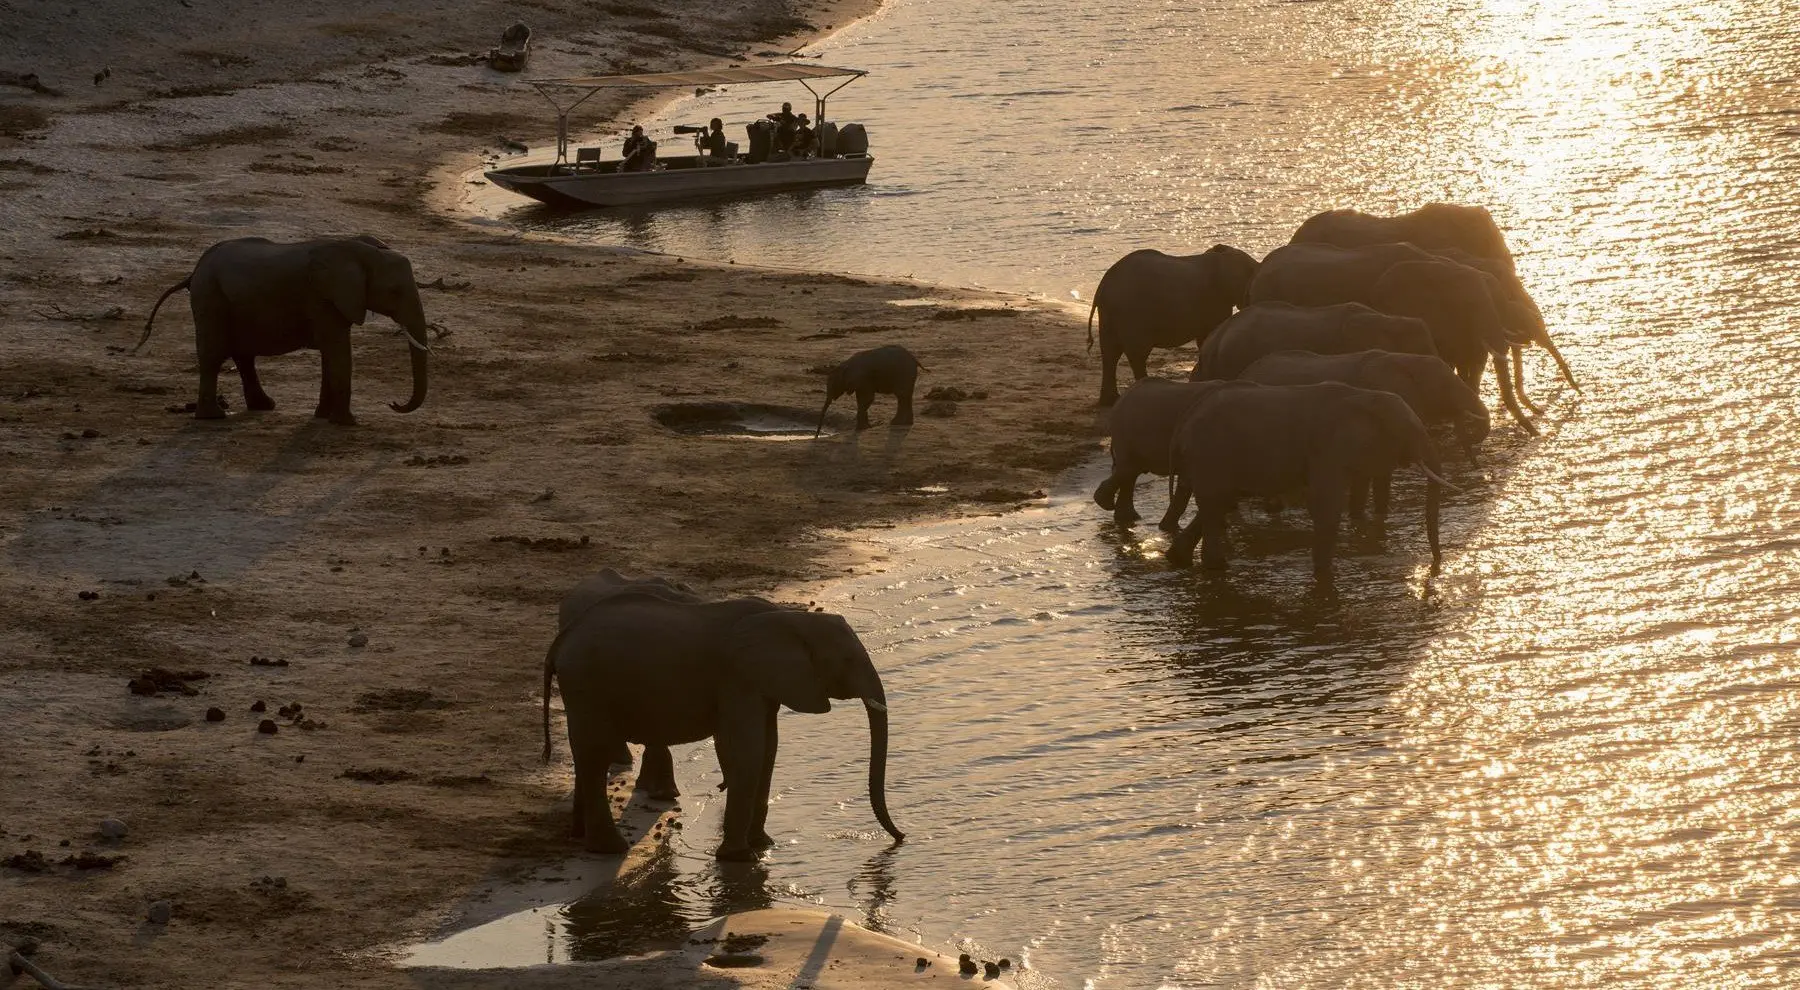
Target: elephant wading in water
x,y
1142,424
645,663
1265,328
1466,234
1456,301
1430,389
1149,299
1272,439
254,298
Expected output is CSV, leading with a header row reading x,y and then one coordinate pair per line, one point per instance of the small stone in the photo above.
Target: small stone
x,y
359,640
64,843
142,685
921,962
1006,964
88,596
90,433
160,912
300,759
991,970
267,727
113,829
260,706
215,714
965,965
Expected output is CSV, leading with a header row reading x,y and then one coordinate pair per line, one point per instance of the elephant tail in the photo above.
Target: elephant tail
x,y
1093,306
177,287
549,672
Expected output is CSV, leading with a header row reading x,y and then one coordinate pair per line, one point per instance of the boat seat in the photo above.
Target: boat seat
x,y
587,158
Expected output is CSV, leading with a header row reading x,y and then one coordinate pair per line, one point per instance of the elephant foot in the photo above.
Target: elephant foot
x,y
1125,515
608,842
735,854
668,794
621,757
901,421
1107,495
344,418
259,403
1170,524
1179,557
208,412
761,840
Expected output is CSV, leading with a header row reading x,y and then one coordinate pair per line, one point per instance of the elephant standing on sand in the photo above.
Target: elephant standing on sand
x,y
1272,439
254,298
1142,424
1466,234
1429,388
649,665
1149,299
1456,301
886,370
1265,328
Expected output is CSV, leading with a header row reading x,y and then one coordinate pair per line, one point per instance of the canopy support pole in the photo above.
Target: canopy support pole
x,y
819,107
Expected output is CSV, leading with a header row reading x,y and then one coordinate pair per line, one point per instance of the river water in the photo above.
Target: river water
x,y
1570,759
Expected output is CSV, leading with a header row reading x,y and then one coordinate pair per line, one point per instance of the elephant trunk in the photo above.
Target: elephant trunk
x,y
822,412
421,352
1563,366
1504,374
1432,494
876,706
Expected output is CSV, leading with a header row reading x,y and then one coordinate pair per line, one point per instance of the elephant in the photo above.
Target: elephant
x,y
657,776
1521,315
1143,423
253,297
1470,229
1149,299
1265,328
1430,389
1466,234
1271,439
1456,301
645,663
887,370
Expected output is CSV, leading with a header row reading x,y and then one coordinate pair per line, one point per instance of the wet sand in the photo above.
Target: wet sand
x,y
136,538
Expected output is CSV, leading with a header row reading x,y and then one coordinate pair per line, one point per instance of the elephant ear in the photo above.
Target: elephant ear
x,y
338,277
771,651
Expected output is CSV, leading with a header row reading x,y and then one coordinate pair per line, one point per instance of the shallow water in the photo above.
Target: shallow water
x,y
1567,761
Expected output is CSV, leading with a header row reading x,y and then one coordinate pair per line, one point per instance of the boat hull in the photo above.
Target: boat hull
x,y
547,184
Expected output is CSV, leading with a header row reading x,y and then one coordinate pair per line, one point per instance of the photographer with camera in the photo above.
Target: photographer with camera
x,y
639,151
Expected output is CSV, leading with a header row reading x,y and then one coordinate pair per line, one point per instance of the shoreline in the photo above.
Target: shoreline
x,y
140,538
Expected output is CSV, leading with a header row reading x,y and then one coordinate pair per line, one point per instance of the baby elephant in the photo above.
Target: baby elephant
x,y
888,370
1143,423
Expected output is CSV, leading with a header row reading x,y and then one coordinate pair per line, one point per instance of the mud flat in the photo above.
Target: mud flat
x,y
380,596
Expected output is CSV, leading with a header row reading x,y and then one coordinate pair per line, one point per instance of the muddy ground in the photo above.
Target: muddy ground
x,y
384,592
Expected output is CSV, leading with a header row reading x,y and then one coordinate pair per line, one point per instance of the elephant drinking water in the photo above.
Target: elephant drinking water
x,y
254,298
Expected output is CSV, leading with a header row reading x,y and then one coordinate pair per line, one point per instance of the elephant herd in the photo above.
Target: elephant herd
x,y
1345,346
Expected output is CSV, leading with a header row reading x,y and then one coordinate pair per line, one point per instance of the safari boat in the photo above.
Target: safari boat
x,y
587,180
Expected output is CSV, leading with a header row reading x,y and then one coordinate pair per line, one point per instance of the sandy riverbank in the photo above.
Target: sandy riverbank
x,y
445,537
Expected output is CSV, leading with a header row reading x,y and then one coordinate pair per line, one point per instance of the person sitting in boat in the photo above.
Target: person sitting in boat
x,y
785,125
805,143
712,143
639,151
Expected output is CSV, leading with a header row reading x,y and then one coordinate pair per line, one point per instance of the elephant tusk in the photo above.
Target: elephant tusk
x,y
875,706
1434,476
413,343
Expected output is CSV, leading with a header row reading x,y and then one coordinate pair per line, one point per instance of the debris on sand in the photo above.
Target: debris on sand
x,y
965,965
551,543
267,662
29,861
267,727
157,680
259,705
359,640
160,912
377,775
114,829
215,714
91,861
1005,495
63,315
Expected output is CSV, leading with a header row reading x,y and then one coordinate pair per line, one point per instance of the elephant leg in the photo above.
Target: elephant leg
x,y
1383,486
1140,363
1359,498
656,775
1124,507
1181,546
903,415
334,379
1107,494
1471,374
1215,540
591,743
1518,378
621,757
1178,500
207,406
254,396
865,397
759,824
1326,506
741,747
1109,368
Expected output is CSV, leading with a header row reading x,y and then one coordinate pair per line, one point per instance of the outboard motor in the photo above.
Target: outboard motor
x,y
762,135
852,141
828,133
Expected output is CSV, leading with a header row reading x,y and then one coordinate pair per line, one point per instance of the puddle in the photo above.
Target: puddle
x,y
743,419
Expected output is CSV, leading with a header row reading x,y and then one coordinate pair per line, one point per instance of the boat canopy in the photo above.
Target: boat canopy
x,y
587,86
